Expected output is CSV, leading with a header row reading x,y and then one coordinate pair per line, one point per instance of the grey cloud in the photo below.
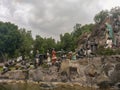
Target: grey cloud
x,y
63,15
51,17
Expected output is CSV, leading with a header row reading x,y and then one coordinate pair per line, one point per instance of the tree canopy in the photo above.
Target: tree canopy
x,y
10,38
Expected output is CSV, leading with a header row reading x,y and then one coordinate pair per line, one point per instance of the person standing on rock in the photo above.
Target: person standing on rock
x,y
48,58
37,59
109,43
54,58
117,40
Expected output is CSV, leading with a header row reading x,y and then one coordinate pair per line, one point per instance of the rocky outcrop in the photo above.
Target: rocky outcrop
x,y
15,75
44,74
98,71
115,75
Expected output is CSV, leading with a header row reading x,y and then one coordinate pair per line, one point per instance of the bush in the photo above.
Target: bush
x,y
107,51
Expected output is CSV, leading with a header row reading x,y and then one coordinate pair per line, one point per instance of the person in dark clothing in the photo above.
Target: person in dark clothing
x,y
80,53
36,61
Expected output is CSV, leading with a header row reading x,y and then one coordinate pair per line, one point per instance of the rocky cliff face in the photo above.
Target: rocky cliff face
x,y
100,30
99,71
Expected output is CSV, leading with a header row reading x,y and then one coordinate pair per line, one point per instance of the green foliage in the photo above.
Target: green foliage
x,y
78,32
100,17
67,42
27,42
49,43
10,39
107,51
115,12
58,46
43,44
14,41
44,65
38,42
87,28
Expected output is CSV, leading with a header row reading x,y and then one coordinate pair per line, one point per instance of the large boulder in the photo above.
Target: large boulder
x,y
44,74
16,75
36,75
115,75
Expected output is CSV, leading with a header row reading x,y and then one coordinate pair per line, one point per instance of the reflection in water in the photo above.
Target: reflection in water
x,y
26,86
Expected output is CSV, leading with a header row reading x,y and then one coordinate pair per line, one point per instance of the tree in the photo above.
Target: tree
x,y
115,12
27,43
43,44
100,17
10,39
49,43
67,42
78,32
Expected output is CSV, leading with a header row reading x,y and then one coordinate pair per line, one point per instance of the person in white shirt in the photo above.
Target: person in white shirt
x,y
48,58
109,43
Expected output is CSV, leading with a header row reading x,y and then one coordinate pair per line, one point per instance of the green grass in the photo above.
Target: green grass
x,y
108,51
1,68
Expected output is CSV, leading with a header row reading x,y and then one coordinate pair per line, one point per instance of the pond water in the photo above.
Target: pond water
x,y
26,86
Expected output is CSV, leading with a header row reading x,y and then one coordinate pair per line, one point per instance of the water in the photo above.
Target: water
x,y
31,86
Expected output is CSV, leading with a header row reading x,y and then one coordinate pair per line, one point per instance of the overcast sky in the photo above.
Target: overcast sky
x,y
50,18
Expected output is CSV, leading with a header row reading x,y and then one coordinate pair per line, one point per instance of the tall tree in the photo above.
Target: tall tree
x,y
43,44
10,39
67,42
27,43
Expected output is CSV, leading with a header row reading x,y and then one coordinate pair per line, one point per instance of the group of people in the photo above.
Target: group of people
x,y
51,59
50,56
89,48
